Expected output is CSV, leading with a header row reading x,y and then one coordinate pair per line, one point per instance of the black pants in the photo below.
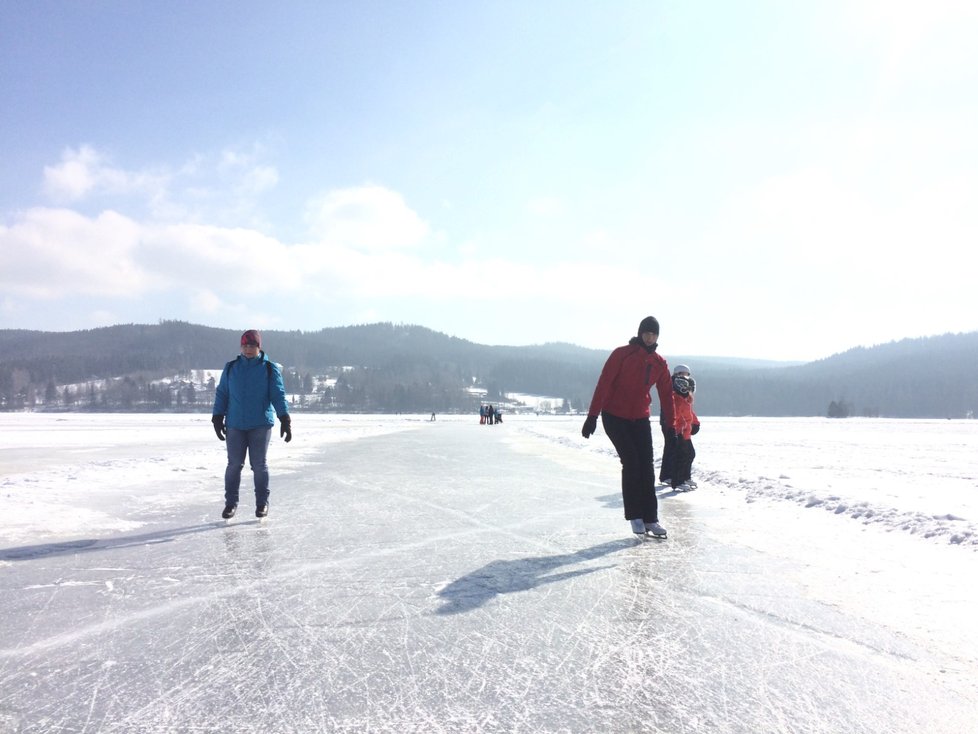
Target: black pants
x,y
682,463
633,442
668,452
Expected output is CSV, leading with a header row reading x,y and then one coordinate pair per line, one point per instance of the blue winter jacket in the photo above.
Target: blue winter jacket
x,y
249,391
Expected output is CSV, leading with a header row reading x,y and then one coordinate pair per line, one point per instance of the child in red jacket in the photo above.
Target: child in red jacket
x,y
685,424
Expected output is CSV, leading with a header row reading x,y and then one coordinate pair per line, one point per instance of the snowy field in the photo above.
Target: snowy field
x,y
447,576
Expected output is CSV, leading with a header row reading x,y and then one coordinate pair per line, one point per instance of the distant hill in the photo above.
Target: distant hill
x,y
388,367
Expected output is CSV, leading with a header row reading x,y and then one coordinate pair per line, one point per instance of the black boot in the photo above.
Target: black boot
x,y
261,510
229,511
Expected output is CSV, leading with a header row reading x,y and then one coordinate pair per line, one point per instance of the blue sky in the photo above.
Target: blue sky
x,y
781,180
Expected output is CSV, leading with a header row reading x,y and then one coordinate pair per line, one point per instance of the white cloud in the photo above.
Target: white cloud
x,y
927,42
57,253
231,259
102,317
371,218
865,197
85,171
10,308
220,271
546,206
258,179
244,172
222,188
50,253
206,301
906,23
366,246
73,178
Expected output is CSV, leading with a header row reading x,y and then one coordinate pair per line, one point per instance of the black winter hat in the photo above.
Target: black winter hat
x,y
649,323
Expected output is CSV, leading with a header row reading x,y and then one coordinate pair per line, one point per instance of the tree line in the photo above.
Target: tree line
x,y
393,368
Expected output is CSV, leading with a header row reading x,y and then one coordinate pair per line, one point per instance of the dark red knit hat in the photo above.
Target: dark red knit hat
x,y
252,336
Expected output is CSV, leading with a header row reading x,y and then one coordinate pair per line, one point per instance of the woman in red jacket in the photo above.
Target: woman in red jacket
x,y
622,399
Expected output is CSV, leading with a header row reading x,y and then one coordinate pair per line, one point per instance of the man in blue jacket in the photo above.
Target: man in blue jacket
x,y
251,393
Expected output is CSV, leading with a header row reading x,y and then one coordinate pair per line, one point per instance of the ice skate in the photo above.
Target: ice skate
x,y
638,526
655,530
261,510
229,511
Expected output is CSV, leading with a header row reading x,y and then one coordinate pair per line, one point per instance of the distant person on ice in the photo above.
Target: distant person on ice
x,y
249,396
685,425
622,399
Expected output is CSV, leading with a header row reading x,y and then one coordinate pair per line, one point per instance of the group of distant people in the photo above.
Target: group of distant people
x,y
622,399
488,415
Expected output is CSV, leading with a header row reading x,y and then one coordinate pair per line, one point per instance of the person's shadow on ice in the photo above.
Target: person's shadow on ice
x,y
505,577
87,545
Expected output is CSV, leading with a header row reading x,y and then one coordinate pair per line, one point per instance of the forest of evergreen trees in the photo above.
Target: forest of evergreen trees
x,y
388,368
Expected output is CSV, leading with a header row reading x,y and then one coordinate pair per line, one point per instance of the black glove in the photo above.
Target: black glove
x,y
695,429
590,426
219,429
286,429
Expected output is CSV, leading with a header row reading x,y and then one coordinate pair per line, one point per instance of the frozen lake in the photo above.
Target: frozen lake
x,y
419,576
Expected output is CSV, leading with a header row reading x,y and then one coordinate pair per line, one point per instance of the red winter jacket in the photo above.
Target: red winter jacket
x,y
627,377
685,417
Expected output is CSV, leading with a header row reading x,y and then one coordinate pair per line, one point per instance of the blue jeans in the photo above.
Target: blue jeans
x,y
254,442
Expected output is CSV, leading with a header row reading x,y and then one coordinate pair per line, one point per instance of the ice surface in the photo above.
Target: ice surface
x,y
450,577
